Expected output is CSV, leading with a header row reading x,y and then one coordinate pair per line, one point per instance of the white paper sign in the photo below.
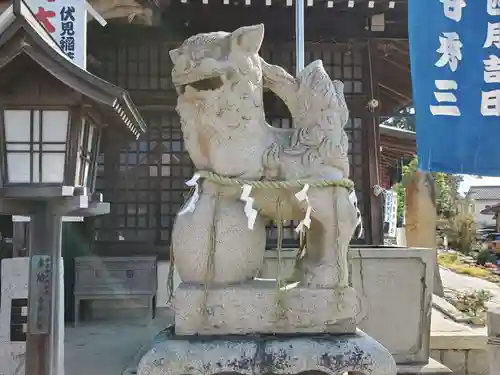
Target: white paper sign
x,y
250,212
66,22
391,211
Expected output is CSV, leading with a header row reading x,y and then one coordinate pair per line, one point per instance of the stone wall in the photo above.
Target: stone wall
x,y
464,354
463,361
14,287
14,315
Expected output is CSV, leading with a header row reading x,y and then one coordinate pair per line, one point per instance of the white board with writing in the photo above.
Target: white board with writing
x,y
66,22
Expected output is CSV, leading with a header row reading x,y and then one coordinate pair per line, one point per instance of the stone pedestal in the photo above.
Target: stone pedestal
x,y
259,307
395,285
264,354
494,340
254,328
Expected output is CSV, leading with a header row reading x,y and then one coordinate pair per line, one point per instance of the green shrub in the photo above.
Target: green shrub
x,y
447,258
473,303
461,231
484,257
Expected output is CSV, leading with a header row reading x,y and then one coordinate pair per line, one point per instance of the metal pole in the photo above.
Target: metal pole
x,y
299,35
45,337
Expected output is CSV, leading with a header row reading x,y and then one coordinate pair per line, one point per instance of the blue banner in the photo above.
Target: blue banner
x,y
455,66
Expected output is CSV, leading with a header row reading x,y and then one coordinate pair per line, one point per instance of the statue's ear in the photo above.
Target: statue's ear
x,y
248,38
174,55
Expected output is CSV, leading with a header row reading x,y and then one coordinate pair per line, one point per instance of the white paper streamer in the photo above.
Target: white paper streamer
x,y
302,196
354,200
250,212
191,203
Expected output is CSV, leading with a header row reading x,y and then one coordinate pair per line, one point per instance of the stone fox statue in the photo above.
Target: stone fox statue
x,y
219,78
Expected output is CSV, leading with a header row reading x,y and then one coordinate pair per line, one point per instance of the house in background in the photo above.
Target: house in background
x,y
483,197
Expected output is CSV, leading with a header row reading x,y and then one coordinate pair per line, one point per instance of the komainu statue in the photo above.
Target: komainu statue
x,y
219,78
226,319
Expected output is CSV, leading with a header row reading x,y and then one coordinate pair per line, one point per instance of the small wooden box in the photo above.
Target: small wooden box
x,y
115,277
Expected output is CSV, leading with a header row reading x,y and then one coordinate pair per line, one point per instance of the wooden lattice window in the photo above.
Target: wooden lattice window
x,y
342,62
138,66
151,185
87,151
353,130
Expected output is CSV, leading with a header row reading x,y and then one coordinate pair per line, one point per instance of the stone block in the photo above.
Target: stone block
x,y
432,367
395,286
436,354
258,307
15,277
477,362
456,361
494,359
15,273
493,322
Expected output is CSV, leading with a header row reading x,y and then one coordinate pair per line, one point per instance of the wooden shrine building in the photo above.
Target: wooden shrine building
x,y
364,43
397,147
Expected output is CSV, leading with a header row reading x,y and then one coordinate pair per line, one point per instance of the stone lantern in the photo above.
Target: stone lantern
x,y
52,118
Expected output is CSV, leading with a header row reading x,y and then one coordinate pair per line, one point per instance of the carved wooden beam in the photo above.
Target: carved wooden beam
x,y
132,11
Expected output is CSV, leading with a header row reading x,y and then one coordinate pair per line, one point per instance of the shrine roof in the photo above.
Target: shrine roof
x,y
394,132
396,145
22,33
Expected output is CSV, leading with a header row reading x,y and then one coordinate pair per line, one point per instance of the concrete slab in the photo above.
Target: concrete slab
x,y
107,348
441,323
449,310
449,335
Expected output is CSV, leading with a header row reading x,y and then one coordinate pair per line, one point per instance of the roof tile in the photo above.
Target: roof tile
x,y
484,192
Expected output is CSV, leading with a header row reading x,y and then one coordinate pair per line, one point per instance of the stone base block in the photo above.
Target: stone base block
x,y
259,307
266,354
433,367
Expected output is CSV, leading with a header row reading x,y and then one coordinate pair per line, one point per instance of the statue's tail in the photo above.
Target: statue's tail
x,y
309,95
280,82
317,93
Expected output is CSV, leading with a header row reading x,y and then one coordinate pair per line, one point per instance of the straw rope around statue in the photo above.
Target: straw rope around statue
x,y
275,184
247,186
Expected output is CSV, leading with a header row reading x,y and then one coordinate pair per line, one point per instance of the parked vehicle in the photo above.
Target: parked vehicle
x,y
493,242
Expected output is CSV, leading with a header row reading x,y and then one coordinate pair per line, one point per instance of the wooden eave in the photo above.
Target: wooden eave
x,y
393,132
21,33
394,75
396,144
